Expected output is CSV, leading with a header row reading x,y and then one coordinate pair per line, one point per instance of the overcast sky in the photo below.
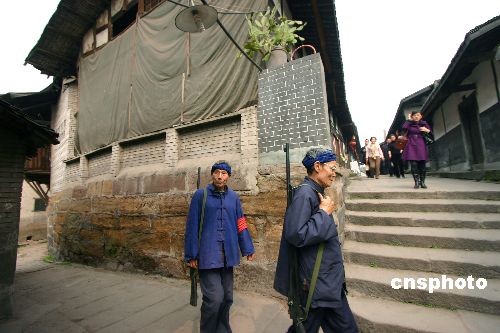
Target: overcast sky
x,y
20,27
393,48
390,49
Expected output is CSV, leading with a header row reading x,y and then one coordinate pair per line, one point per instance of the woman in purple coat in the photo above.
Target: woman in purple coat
x,y
416,151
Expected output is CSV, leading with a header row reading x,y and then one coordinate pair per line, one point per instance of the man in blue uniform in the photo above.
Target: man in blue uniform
x,y
308,223
216,250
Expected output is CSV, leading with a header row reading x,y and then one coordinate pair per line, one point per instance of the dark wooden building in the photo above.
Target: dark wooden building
x,y
20,137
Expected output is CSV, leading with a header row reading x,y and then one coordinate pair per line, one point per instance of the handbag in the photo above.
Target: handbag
x,y
401,142
428,138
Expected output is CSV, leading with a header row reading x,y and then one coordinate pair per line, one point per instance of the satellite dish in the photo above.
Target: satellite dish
x,y
196,18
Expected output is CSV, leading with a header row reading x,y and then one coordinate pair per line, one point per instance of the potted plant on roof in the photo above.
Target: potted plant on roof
x,y
272,36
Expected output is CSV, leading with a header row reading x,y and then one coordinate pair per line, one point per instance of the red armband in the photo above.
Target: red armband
x,y
242,224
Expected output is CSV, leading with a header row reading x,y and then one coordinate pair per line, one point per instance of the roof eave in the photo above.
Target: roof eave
x,y
462,63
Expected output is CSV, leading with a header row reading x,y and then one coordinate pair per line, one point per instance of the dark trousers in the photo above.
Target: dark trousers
x,y
385,166
397,165
217,289
417,167
331,320
388,167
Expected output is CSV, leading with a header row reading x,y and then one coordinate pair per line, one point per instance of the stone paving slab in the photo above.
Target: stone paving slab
x,y
403,317
391,184
51,297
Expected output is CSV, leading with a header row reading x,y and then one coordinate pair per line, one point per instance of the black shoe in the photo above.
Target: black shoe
x,y
422,180
416,178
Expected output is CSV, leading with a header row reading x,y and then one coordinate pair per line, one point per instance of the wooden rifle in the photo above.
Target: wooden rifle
x,y
295,309
193,272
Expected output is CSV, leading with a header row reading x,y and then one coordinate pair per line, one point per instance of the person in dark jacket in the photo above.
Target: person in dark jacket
x,y
415,151
224,234
308,223
363,158
385,166
395,158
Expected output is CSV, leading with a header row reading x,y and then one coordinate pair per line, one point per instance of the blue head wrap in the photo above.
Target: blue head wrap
x,y
221,166
323,156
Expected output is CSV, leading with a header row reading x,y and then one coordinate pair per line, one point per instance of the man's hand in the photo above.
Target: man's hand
x,y
250,257
193,263
326,203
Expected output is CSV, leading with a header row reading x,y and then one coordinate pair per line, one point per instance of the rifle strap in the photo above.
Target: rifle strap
x,y
314,277
317,264
202,217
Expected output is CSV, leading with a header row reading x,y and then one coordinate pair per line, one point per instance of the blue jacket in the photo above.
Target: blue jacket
x,y
305,227
220,238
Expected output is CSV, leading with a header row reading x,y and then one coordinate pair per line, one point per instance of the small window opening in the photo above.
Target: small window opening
x,y
40,205
122,21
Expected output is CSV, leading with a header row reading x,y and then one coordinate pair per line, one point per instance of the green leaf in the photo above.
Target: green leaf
x,y
267,30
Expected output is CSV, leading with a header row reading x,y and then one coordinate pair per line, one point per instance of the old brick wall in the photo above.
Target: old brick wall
x,y
12,156
292,109
64,122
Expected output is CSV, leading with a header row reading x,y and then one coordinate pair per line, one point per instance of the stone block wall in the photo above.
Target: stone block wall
x,y
137,222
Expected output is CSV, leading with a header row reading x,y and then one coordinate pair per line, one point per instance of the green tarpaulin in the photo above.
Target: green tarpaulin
x,y
154,76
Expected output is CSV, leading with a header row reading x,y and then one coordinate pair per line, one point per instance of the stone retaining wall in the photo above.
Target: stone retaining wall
x,y
137,222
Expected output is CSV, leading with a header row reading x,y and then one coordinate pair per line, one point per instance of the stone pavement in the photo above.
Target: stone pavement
x,y
392,184
450,229
50,297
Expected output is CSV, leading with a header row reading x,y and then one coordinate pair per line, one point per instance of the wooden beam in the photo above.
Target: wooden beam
x,y
321,34
481,57
39,190
464,87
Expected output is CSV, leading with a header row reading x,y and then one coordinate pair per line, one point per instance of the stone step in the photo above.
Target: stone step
x,y
426,219
443,238
377,315
376,282
443,261
426,194
423,205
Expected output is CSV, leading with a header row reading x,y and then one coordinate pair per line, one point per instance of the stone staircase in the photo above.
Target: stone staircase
x,y
423,234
